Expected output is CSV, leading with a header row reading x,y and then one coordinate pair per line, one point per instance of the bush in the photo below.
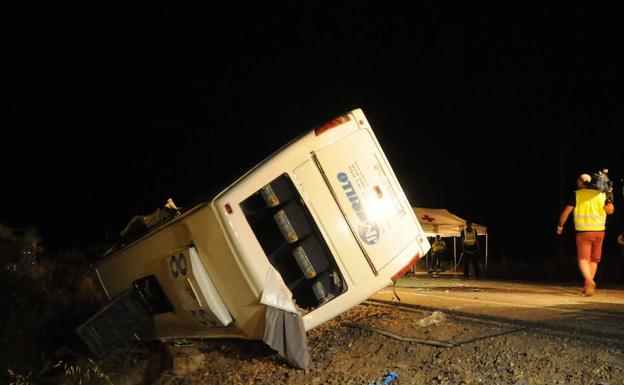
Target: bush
x,y
42,303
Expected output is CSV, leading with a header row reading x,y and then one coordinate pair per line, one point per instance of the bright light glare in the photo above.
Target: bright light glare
x,y
378,208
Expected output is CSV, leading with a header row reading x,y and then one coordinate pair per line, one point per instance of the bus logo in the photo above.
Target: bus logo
x,y
367,231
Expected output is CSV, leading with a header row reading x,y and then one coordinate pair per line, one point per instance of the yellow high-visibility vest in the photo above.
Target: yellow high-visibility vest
x,y
438,246
589,212
470,237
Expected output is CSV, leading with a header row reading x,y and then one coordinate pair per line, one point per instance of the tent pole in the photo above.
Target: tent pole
x,y
454,254
486,250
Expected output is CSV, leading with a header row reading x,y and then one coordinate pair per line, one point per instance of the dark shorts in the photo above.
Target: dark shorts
x,y
589,245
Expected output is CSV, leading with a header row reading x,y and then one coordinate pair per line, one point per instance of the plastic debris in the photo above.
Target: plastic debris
x,y
435,318
387,379
276,293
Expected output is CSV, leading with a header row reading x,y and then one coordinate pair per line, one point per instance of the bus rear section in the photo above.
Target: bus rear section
x,y
323,219
327,213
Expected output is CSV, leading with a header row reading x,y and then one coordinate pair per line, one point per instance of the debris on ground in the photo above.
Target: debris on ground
x,y
482,353
387,379
437,317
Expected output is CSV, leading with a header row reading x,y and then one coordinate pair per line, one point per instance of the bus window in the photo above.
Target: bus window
x,y
293,243
151,293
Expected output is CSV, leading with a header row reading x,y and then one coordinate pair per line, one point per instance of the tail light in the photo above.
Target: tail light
x,y
331,124
404,270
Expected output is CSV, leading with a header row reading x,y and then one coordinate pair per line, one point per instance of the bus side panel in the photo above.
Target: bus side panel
x,y
150,256
143,258
224,269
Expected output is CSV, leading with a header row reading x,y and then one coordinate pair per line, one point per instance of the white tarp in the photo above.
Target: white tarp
x,y
276,293
443,222
283,325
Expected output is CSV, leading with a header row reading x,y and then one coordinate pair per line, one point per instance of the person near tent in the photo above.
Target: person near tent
x,y
470,249
590,208
438,247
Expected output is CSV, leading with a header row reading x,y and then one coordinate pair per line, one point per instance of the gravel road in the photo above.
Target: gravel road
x,y
343,353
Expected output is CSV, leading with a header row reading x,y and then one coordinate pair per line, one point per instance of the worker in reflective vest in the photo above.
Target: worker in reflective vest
x,y
471,249
438,247
590,208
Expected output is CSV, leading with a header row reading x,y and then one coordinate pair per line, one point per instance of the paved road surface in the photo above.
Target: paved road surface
x,y
553,307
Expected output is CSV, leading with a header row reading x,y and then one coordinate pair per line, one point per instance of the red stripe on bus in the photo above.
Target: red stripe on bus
x,y
404,270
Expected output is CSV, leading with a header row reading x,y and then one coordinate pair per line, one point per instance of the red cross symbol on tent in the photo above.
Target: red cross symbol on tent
x,y
428,218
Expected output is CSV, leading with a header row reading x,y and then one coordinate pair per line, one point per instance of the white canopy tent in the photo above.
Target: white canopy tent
x,y
446,224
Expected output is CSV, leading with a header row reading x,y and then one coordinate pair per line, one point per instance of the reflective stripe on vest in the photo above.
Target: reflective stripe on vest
x,y
470,237
589,212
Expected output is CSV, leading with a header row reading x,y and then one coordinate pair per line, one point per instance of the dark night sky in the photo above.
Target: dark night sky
x,y
112,111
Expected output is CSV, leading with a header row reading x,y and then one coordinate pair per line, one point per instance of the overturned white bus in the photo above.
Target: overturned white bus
x,y
325,212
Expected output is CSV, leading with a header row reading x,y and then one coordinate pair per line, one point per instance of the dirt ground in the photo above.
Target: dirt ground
x,y
343,353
